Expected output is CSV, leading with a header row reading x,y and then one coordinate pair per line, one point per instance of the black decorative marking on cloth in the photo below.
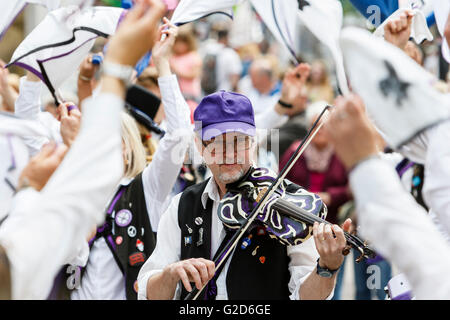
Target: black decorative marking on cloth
x,y
393,84
302,4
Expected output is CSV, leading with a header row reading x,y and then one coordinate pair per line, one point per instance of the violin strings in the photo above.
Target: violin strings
x,y
298,213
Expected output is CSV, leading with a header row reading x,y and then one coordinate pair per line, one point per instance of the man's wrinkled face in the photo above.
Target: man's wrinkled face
x,y
228,156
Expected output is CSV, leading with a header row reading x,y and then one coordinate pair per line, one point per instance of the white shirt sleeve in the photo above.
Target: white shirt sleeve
x,y
161,174
400,229
436,189
167,249
303,261
266,121
45,228
28,106
270,119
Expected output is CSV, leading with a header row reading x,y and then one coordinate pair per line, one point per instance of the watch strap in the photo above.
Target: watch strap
x,y
324,269
285,104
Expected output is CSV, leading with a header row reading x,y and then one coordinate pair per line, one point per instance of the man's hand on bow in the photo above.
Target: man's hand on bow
x,y
197,270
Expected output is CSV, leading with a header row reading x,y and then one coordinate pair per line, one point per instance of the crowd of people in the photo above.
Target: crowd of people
x,y
98,205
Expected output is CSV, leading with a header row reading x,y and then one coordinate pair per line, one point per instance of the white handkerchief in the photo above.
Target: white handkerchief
x,y
10,9
441,12
191,10
281,20
398,93
419,27
63,39
324,19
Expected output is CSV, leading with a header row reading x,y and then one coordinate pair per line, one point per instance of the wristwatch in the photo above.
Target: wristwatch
x,y
324,272
121,72
285,104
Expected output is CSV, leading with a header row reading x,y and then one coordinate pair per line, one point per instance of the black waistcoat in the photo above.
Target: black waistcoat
x,y
257,271
128,232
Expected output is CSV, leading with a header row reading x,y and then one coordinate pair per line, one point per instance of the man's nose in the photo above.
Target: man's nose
x,y
230,154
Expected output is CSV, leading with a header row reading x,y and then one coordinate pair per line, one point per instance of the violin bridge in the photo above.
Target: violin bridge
x,y
261,194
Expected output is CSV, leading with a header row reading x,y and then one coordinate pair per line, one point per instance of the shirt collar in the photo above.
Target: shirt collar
x,y
211,191
125,181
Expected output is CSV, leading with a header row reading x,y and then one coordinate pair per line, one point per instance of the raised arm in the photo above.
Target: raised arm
x,y
46,224
388,216
85,82
28,106
292,101
160,175
7,93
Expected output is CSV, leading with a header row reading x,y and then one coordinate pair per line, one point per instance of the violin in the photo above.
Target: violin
x,y
270,199
288,215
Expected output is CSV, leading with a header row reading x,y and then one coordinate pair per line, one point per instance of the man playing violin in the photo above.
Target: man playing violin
x,y
190,232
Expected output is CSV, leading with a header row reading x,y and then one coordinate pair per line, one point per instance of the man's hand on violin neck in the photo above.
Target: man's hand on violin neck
x,y
330,241
197,270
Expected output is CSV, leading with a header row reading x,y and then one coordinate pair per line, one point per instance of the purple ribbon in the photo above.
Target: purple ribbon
x,y
211,289
71,107
110,209
403,166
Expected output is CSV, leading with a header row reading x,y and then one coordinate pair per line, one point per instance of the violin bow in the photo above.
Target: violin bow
x,y
226,251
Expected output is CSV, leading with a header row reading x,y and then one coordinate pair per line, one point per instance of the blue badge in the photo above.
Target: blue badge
x,y
416,181
246,243
187,240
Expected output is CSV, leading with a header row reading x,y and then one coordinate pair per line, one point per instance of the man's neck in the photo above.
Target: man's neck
x,y
221,187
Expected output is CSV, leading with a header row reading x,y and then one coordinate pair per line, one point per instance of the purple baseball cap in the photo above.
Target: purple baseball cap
x,y
223,112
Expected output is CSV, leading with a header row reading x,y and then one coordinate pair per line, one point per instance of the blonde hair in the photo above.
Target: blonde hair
x,y
186,35
134,153
148,143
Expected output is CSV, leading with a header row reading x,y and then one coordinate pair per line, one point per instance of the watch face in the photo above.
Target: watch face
x,y
325,273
